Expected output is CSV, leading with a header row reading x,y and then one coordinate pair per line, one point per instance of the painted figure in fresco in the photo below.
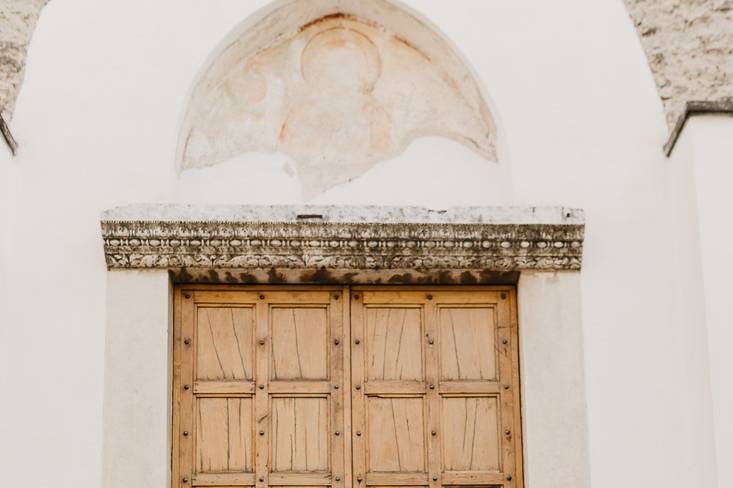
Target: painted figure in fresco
x,y
337,97
339,113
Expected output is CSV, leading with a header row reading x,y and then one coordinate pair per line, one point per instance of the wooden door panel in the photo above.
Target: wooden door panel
x,y
395,434
394,344
225,343
299,343
467,343
300,434
224,431
471,439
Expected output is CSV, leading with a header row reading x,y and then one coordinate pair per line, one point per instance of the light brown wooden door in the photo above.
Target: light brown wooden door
x,y
434,388
262,380
259,388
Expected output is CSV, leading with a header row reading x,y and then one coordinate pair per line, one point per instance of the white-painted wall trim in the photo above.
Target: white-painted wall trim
x,y
553,380
136,430
711,138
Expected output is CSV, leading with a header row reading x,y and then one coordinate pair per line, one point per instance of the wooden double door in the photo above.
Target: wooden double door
x,y
345,387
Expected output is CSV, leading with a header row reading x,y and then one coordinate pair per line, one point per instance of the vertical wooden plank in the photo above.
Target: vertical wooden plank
x,y
345,386
176,387
262,397
335,362
516,389
358,416
212,435
185,344
504,346
432,362
240,434
283,438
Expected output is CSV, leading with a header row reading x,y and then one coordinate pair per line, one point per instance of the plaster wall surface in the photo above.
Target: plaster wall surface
x,y
579,124
136,446
710,141
554,413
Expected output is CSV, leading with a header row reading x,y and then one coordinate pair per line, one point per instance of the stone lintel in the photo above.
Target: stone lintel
x,y
288,244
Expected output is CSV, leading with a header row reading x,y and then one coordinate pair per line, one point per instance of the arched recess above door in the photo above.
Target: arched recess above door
x,y
338,86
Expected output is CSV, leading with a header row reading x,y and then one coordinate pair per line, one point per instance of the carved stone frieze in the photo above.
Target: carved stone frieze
x,y
324,238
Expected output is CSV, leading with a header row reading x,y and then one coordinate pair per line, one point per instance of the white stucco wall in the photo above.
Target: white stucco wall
x,y
707,145
554,407
580,125
136,439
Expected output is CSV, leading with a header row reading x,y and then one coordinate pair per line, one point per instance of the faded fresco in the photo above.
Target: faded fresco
x,y
337,97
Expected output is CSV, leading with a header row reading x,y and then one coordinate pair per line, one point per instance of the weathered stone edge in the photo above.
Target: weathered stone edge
x,y
357,246
696,107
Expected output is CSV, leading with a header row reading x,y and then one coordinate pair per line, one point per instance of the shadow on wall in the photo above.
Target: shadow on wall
x,y
337,87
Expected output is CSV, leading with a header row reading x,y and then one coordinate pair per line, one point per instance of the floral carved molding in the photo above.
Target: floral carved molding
x,y
343,238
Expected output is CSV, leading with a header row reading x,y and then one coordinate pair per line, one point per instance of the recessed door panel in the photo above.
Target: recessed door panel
x,y
300,434
224,435
394,343
467,344
471,440
395,434
299,343
225,343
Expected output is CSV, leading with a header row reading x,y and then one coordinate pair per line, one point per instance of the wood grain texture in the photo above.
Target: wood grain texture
x,y
471,439
299,343
394,343
432,353
258,387
225,343
467,343
468,388
300,479
358,397
261,380
397,479
396,434
262,392
224,435
223,480
300,434
184,374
